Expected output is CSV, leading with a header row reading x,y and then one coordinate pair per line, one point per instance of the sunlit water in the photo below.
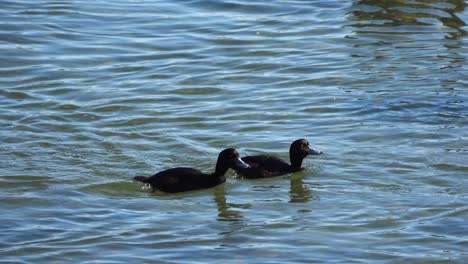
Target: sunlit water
x,y
95,92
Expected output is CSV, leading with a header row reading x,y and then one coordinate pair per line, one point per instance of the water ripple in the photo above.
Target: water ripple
x,y
94,93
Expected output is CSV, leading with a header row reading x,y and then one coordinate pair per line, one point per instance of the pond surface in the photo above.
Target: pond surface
x,y
93,93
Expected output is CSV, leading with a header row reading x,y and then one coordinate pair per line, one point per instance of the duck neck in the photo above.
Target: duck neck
x,y
296,161
220,170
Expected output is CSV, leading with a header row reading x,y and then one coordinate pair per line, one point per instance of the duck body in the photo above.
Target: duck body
x,y
261,166
266,166
183,179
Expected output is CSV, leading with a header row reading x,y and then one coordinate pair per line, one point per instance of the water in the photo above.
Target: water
x,y
95,92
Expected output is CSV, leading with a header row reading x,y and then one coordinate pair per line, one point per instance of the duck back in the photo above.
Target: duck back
x,y
181,179
273,165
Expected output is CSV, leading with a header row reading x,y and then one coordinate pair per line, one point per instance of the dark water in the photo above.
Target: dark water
x,y
95,92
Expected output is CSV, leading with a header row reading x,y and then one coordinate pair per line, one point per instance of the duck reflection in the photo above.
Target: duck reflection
x,y
384,13
300,192
225,211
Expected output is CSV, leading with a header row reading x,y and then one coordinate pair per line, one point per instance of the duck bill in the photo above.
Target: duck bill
x,y
240,164
314,151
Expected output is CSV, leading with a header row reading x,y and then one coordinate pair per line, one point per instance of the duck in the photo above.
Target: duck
x,y
262,166
184,179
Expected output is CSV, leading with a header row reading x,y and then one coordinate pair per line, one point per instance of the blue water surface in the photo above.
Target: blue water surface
x,y
93,93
